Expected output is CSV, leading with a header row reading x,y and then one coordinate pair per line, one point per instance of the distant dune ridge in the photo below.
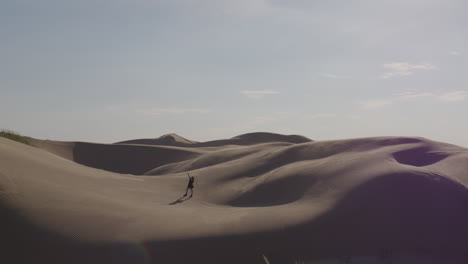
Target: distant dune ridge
x,y
374,200
245,139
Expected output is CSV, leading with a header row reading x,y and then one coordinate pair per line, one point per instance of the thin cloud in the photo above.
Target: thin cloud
x,y
321,115
388,75
412,95
404,69
448,97
455,53
405,66
171,110
333,76
375,104
454,96
258,93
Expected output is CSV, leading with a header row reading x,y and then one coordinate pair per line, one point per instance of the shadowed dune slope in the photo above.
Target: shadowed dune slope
x,y
132,159
309,201
166,140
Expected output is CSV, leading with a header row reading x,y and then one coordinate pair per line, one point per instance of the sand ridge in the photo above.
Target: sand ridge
x,y
244,139
286,199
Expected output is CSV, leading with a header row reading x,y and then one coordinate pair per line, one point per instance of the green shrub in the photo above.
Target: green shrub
x,y
14,136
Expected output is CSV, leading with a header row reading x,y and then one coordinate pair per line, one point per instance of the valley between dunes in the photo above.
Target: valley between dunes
x,y
286,197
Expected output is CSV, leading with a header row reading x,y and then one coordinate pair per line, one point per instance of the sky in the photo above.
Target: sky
x,y
111,70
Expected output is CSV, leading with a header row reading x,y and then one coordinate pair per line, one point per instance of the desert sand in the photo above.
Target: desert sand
x,y
366,200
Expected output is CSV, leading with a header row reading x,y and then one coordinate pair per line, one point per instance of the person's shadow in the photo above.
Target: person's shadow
x,y
181,200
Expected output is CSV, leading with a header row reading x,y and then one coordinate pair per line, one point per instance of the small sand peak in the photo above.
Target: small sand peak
x,y
173,137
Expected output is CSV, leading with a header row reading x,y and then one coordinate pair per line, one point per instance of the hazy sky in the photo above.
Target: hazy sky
x,y
110,70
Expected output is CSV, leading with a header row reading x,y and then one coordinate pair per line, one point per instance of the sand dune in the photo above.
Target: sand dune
x,y
286,197
245,139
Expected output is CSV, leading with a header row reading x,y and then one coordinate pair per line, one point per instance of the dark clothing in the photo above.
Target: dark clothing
x,y
190,183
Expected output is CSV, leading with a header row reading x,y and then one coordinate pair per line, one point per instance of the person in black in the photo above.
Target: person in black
x,y
189,185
